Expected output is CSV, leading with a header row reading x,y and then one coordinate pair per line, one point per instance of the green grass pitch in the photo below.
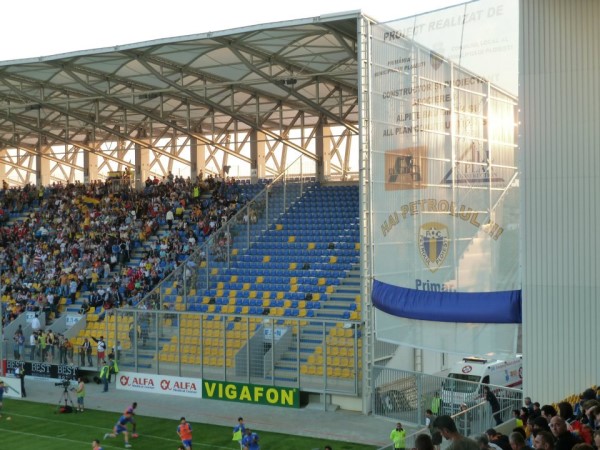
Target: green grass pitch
x,y
30,426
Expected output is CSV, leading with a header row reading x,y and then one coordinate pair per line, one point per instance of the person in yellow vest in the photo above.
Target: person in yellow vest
x,y
518,420
113,367
239,431
436,404
104,373
398,437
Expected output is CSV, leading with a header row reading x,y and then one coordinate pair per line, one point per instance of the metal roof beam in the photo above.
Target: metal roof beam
x,y
226,111
38,153
57,138
325,112
129,106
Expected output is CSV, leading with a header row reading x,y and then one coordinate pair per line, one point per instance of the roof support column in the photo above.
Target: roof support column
x,y
3,157
323,149
142,166
42,177
257,156
197,159
90,167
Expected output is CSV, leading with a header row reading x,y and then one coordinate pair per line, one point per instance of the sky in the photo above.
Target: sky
x,y
44,28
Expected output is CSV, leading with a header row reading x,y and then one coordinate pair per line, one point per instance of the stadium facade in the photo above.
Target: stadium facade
x,y
468,130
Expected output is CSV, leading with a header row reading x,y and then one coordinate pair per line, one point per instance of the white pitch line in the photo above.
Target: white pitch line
x,y
45,436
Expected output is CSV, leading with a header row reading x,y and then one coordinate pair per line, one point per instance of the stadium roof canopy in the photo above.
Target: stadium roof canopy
x,y
216,87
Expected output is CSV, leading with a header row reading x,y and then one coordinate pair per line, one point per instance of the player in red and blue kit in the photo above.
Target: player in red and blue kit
x,y
131,411
121,427
184,431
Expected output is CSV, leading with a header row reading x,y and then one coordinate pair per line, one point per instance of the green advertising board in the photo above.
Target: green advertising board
x,y
251,393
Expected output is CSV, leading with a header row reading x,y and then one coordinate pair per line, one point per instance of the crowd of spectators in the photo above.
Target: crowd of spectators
x,y
75,237
565,427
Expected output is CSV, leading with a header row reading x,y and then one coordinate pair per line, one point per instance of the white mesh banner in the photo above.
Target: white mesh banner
x,y
498,340
444,161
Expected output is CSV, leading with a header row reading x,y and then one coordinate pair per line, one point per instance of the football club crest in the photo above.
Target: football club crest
x,y
434,244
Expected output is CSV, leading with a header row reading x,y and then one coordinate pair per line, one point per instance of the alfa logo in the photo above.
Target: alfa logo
x,y
124,380
434,244
164,385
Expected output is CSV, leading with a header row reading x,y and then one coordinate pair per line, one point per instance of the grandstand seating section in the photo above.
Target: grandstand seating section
x,y
292,270
295,269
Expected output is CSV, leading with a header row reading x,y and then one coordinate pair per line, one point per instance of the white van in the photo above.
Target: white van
x,y
464,382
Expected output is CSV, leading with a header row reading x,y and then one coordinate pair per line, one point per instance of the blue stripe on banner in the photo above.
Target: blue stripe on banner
x,y
467,307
